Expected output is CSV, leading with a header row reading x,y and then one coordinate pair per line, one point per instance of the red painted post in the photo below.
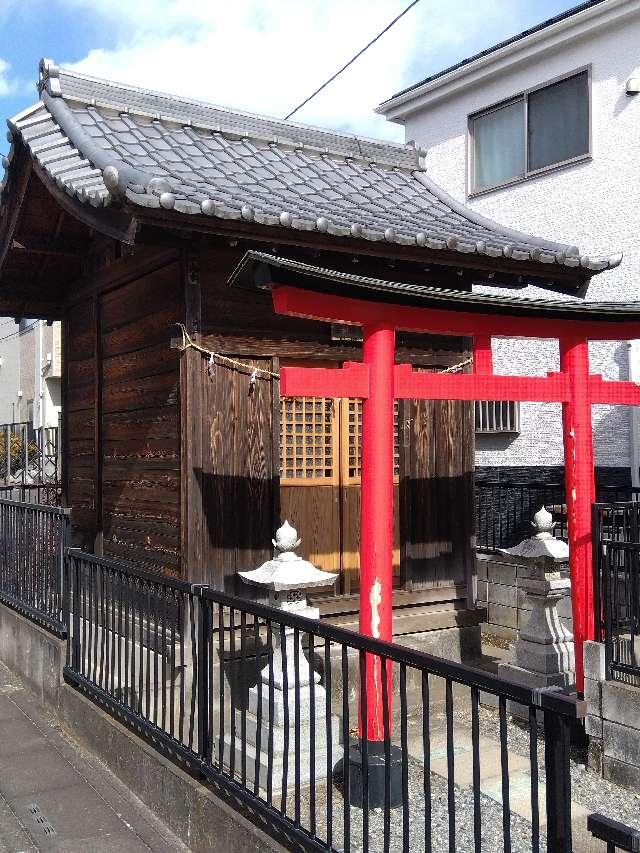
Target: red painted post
x,y
376,513
482,355
580,490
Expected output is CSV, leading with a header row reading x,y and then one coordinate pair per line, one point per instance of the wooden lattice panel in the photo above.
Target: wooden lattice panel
x,y
352,440
308,440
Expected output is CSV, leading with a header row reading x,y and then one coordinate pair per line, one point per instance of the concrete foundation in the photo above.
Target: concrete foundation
x,y
35,654
612,723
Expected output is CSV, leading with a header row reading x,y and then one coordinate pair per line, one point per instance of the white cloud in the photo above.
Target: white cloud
x,y
7,86
266,57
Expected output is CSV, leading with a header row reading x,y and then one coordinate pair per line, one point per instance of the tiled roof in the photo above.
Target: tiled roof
x,y
103,142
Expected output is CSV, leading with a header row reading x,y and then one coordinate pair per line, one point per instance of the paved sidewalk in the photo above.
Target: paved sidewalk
x,y
56,797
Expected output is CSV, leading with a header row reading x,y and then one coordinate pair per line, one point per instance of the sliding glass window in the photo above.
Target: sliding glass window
x,y
537,130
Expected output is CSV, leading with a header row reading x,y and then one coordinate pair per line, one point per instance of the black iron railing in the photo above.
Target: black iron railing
x,y
504,511
505,508
616,835
32,557
227,686
616,563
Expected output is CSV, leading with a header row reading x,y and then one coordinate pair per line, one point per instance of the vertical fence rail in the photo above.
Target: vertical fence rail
x,y
504,509
265,703
32,560
30,464
616,565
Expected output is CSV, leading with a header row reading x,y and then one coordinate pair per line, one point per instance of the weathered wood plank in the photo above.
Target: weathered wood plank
x,y
149,392
154,423
129,304
156,328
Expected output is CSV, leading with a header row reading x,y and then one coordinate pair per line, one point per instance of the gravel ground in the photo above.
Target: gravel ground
x,y
492,837
587,788
588,791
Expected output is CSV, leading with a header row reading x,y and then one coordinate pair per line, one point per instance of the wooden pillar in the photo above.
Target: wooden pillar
x,y
580,490
376,514
191,430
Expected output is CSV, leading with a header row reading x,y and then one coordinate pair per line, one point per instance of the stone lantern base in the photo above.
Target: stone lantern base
x,y
544,653
260,733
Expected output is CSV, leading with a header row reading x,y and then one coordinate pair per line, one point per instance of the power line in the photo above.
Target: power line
x,y
352,60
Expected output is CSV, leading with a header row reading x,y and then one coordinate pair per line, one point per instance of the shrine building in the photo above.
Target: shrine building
x,y
127,214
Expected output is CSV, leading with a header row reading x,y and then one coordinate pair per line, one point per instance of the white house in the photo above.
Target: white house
x,y
542,133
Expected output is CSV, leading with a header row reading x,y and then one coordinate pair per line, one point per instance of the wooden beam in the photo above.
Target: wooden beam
x,y
191,430
17,197
119,225
54,247
568,278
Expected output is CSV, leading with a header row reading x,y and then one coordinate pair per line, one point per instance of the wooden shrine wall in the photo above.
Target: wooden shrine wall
x,y
79,420
123,421
240,452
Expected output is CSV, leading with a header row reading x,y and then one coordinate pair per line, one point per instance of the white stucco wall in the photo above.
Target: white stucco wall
x,y
594,204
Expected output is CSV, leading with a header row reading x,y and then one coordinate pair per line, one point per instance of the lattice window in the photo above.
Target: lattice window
x,y
308,446
352,439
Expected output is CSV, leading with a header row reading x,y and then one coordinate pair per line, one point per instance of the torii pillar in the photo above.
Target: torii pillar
x,y
377,381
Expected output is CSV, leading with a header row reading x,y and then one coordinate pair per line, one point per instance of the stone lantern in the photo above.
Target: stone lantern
x,y
288,577
543,655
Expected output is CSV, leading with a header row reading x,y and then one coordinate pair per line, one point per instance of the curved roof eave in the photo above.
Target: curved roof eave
x,y
108,145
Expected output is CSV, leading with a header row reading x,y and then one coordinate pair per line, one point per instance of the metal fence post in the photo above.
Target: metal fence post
x,y
558,783
74,571
203,654
64,587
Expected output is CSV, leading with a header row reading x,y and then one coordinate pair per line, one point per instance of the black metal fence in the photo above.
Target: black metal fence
x,y
265,703
32,558
30,464
505,509
617,836
616,561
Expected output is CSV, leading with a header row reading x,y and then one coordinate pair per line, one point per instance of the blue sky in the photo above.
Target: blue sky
x,y
254,54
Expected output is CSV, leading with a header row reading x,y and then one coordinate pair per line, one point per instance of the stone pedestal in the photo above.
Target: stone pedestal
x,y
543,655
271,707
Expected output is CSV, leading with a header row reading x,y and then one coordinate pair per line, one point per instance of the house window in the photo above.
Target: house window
x,y
497,416
538,130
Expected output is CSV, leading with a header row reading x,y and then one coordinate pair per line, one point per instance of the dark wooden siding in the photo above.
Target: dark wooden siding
x,y
240,483
239,487
437,494
140,429
80,421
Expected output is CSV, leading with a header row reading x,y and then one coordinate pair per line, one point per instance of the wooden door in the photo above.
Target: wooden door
x,y
350,474
437,493
320,441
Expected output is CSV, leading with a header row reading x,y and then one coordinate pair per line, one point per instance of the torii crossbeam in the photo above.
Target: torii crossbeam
x,y
383,308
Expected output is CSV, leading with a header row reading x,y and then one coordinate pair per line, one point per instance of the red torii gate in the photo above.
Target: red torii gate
x,y
378,380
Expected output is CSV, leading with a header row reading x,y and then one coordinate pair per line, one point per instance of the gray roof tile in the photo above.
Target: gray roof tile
x,y
220,162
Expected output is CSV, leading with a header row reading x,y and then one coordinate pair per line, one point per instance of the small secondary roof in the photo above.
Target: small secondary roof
x,y
112,145
259,270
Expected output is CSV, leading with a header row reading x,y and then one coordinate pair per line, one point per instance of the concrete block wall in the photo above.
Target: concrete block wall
x,y
500,592
612,723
